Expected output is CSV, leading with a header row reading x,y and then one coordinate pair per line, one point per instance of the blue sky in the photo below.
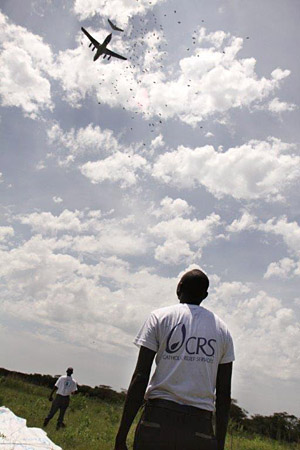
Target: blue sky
x,y
117,176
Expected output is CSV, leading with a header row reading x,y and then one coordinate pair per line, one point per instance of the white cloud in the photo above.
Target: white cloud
x,y
88,233
57,199
46,222
124,165
180,234
262,328
276,106
60,292
215,38
52,282
82,142
120,167
170,208
246,222
120,10
25,61
283,268
5,233
157,142
279,74
174,251
289,231
40,165
256,170
210,81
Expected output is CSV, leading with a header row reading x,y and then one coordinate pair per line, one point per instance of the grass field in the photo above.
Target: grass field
x,y
91,423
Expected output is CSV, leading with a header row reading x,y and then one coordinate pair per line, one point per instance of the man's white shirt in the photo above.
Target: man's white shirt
x,y
66,385
190,342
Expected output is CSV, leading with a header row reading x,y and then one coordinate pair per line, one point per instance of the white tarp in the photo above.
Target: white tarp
x,y
14,434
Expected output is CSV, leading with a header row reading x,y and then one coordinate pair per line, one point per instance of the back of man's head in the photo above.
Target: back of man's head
x,y
69,371
192,287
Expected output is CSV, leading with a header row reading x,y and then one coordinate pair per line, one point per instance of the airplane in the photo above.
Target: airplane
x,y
114,27
101,48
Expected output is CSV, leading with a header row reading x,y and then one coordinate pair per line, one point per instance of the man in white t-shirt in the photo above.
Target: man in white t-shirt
x,y
65,386
194,355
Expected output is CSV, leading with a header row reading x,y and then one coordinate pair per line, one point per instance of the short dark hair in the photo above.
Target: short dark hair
x,y
193,284
70,370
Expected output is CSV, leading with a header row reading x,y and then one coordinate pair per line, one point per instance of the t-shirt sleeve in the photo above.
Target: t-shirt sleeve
x,y
148,336
228,353
57,384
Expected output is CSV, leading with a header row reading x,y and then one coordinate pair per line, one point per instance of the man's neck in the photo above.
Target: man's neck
x,y
190,302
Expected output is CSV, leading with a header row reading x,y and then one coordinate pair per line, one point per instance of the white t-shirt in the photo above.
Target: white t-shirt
x,y
66,385
190,342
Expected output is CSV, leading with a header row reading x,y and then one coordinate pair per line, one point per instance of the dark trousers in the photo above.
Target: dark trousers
x,y
165,425
60,403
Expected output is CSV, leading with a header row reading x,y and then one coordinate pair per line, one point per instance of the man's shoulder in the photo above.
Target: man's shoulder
x,y
60,379
165,310
220,323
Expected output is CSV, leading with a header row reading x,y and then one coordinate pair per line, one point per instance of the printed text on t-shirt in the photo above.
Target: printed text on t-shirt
x,y
193,345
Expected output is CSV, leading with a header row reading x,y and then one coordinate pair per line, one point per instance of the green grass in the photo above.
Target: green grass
x,y
92,423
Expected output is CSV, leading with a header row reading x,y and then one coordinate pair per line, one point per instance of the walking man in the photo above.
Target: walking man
x,y
65,386
194,355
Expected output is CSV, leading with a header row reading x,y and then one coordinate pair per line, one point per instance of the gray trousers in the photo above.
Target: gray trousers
x,y
60,403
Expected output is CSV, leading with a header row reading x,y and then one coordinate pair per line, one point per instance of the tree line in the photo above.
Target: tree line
x,y
103,392
280,426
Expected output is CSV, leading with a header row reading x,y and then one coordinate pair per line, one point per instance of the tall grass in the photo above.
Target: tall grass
x,y
92,423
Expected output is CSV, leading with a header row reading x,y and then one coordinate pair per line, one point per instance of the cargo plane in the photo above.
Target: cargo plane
x,y
101,48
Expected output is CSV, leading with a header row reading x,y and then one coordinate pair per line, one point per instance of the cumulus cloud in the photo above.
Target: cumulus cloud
x,y
88,232
87,303
70,276
276,106
157,142
57,199
5,233
282,269
123,166
265,324
81,143
46,222
180,234
119,167
25,62
83,140
211,80
288,231
256,170
59,291
170,208
246,222
117,9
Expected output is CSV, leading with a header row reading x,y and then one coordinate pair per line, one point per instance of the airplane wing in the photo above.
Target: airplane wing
x,y
110,53
96,43
114,27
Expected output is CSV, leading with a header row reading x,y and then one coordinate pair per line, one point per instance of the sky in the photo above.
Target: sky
x,y
118,176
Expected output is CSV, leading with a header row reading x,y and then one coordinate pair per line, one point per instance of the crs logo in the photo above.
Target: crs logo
x,y
193,345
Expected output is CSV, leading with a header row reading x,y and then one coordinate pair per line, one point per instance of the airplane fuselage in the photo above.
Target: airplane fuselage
x,y
102,47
